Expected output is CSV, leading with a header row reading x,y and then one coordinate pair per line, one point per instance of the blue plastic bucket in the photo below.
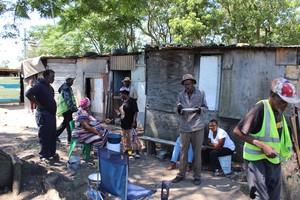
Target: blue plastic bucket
x,y
114,138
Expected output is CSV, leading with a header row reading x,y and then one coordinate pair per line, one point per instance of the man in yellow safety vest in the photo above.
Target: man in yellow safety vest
x,y
267,140
66,105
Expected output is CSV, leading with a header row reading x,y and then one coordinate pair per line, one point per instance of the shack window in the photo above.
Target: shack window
x,y
209,79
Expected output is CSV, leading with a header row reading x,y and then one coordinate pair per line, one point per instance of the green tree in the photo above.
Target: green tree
x,y
108,24
111,24
260,21
14,11
195,20
52,41
155,21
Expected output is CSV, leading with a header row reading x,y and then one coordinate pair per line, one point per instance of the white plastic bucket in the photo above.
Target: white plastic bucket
x,y
113,142
94,180
225,162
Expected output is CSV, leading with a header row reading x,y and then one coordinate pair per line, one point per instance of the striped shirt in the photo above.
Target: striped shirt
x,y
93,122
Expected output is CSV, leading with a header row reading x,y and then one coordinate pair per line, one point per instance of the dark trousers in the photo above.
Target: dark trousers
x,y
264,179
211,156
46,123
65,124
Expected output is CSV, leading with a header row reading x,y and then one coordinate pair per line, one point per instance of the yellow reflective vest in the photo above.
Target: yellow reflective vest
x,y
62,107
269,135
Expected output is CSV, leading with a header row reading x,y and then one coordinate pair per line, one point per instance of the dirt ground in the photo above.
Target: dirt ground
x,y
40,181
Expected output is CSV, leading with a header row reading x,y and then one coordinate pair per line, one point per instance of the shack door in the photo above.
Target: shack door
x,y
97,96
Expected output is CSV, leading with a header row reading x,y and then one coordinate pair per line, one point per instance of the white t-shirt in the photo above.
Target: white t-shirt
x,y
221,134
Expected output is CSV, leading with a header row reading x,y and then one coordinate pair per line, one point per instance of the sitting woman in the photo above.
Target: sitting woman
x,y
88,128
219,144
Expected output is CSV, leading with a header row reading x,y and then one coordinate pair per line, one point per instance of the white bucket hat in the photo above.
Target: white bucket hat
x,y
70,76
188,77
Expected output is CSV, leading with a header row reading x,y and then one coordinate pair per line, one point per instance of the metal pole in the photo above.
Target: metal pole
x,y
25,47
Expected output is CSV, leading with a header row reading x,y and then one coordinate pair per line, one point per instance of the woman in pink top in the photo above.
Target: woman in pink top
x,y
88,128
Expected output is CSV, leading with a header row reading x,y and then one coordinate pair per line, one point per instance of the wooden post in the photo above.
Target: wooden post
x,y
151,147
17,175
295,137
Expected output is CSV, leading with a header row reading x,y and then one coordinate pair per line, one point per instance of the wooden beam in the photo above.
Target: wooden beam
x,y
295,137
151,147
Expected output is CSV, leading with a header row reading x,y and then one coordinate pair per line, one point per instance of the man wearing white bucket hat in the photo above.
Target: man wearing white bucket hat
x,y
267,140
132,90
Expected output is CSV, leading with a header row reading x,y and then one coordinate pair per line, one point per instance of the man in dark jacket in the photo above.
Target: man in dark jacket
x,y
42,94
66,105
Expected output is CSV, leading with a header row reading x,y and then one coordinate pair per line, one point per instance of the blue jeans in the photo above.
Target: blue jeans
x,y
176,152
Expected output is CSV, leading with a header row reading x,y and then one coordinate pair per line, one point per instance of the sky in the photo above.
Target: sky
x,y
13,49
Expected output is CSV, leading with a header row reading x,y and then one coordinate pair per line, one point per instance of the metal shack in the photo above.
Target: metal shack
x,y
98,78
234,79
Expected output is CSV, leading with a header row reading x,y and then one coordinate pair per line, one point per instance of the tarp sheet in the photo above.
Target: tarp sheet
x,y
32,66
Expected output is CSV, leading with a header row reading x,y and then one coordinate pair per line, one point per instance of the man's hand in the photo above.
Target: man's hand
x,y
108,121
133,125
199,110
179,107
269,151
117,111
204,147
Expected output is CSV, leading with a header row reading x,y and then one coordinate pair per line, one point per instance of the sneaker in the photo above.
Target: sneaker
x,y
177,179
55,157
197,181
172,166
137,156
44,160
219,173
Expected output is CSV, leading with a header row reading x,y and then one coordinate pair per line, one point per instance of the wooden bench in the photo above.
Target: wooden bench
x,y
151,147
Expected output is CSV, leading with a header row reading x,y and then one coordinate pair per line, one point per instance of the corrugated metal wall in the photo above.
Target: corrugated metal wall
x,y
246,75
123,62
62,68
90,69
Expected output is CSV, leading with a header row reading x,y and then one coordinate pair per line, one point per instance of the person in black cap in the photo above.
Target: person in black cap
x,y
66,106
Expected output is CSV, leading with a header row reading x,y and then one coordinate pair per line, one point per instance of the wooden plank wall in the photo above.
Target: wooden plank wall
x,y
163,73
246,79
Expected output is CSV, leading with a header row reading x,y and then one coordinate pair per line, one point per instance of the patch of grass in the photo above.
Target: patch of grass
x,y
9,80
7,93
